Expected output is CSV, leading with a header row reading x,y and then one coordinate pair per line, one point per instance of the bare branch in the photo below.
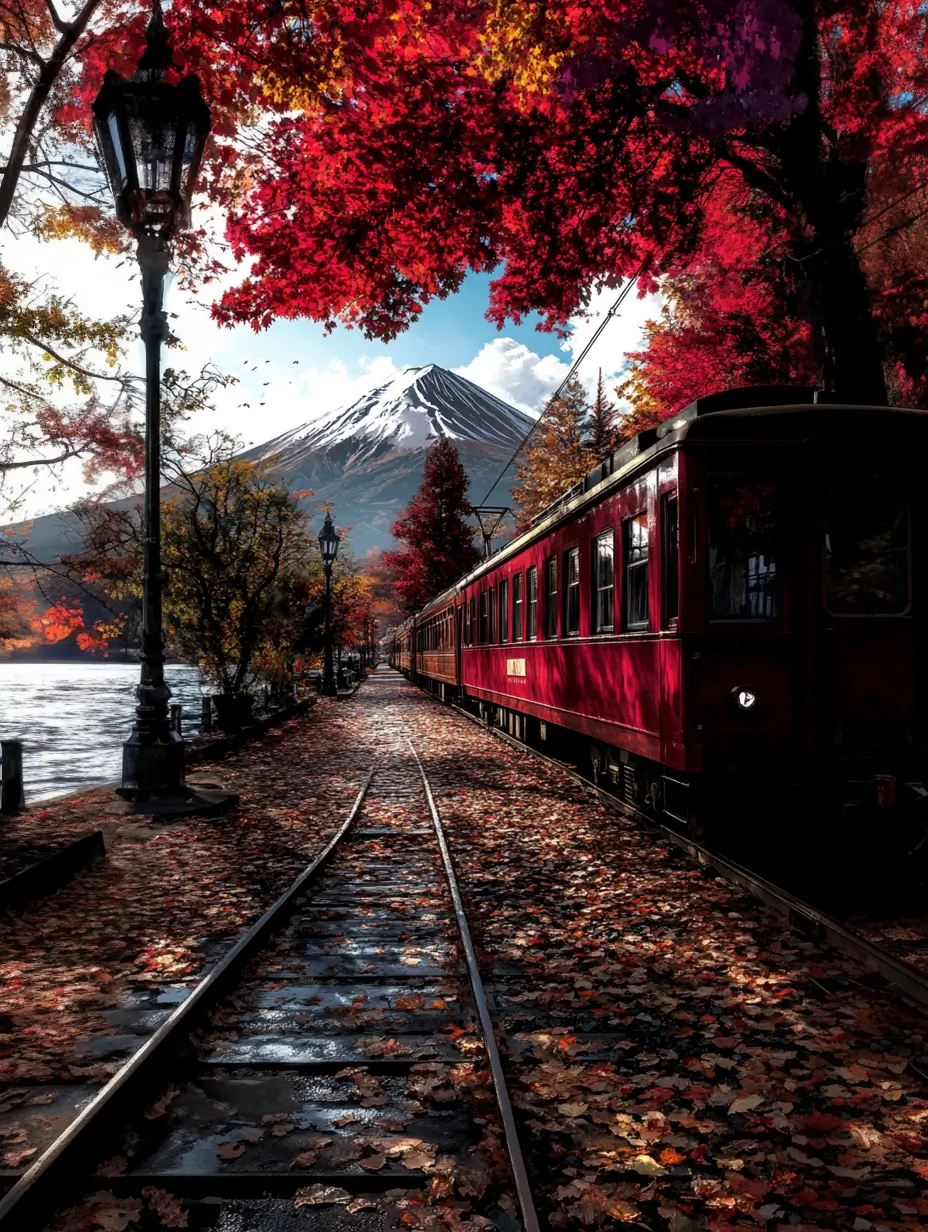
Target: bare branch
x,y
29,118
60,25
122,377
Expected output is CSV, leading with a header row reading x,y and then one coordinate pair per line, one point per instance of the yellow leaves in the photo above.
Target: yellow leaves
x,y
523,40
83,222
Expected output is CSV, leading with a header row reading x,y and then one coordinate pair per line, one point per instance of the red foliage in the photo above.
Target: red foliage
x,y
108,446
731,319
409,144
59,621
439,543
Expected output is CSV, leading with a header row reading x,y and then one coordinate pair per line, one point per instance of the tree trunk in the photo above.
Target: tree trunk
x,y
842,315
828,197
38,96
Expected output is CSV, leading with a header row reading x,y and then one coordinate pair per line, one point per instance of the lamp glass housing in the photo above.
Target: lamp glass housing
x,y
328,541
152,135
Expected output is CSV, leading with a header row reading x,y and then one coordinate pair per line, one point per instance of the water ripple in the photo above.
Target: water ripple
x,y
73,718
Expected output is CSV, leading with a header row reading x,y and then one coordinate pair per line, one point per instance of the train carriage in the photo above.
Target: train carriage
x,y
437,655
402,649
730,609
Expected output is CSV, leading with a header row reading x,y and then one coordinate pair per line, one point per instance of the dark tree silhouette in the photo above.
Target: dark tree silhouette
x,y
603,435
439,544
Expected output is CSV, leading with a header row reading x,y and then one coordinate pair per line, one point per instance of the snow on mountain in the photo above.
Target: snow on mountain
x,y
408,412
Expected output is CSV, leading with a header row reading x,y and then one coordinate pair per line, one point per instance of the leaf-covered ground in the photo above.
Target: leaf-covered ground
x,y
167,898
682,1059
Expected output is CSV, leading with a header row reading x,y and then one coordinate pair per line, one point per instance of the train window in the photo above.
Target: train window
x,y
867,553
744,580
550,597
531,602
491,614
670,532
484,629
635,588
571,592
517,606
604,582
504,610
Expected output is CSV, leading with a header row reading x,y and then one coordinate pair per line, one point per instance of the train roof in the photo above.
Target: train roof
x,y
756,403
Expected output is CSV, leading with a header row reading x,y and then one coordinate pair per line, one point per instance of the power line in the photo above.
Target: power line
x,y
576,364
865,222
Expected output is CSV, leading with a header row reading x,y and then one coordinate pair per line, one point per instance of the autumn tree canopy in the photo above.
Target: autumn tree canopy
x,y
563,144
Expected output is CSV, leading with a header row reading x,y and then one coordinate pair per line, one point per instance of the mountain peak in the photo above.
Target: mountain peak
x,y
415,407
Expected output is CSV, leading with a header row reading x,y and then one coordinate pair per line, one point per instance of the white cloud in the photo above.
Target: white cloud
x,y
514,373
520,376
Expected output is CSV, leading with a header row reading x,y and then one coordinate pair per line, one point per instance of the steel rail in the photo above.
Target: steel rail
x,y
69,1160
513,1145
802,915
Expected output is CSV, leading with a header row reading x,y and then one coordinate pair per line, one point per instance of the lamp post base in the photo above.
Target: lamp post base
x,y
153,781
194,803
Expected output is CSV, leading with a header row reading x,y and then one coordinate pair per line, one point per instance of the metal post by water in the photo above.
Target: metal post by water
x,y
206,714
12,796
153,756
177,716
329,687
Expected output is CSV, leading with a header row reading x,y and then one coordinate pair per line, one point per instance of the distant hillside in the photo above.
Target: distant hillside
x,y
366,458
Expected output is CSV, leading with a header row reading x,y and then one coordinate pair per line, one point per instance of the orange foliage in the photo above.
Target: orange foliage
x,y
59,621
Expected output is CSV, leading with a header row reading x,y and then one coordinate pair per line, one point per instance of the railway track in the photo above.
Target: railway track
x,y
818,925
342,1051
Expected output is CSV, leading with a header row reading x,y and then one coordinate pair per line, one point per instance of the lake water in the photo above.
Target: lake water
x,y
73,718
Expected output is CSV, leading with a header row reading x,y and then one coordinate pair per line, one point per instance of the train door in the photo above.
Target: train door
x,y
746,664
870,709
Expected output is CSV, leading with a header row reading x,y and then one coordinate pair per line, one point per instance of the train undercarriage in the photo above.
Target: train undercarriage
x,y
867,820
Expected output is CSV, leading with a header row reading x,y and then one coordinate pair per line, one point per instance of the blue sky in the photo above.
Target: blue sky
x,y
449,332
292,373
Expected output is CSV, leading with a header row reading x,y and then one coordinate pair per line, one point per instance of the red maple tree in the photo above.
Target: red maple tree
x,y
570,144
403,145
439,544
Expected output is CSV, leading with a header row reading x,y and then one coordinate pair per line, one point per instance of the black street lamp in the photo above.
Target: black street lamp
x,y
328,548
151,136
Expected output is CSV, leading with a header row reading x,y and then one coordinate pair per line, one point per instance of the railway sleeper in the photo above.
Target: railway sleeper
x,y
337,1052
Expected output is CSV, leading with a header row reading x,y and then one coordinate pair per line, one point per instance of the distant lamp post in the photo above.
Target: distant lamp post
x,y
328,549
151,136
490,517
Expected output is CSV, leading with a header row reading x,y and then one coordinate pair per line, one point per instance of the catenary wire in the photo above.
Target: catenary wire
x,y
573,368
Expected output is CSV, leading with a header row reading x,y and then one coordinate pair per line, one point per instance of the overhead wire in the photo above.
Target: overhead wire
x,y
573,368
866,222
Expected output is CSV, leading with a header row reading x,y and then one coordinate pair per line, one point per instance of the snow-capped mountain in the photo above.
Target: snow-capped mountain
x,y
408,412
366,459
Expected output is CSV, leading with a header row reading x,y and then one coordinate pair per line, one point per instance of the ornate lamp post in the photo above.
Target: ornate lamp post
x,y
151,136
328,548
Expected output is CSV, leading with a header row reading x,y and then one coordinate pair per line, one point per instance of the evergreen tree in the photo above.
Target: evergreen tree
x,y
439,544
603,435
557,455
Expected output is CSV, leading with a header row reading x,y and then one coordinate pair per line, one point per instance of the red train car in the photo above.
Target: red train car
x,y
402,649
437,653
729,610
